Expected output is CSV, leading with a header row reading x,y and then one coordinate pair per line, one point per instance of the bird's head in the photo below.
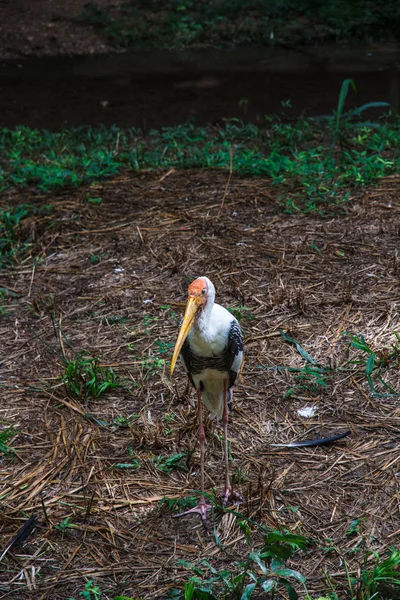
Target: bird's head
x,y
198,294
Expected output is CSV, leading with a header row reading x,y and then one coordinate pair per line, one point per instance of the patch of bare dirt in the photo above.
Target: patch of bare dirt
x,y
44,28
151,235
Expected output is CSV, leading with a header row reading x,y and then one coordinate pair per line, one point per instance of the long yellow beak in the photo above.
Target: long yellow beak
x,y
187,323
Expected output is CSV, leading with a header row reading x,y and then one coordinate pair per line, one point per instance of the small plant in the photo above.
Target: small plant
x,y
5,435
65,525
125,422
376,363
166,464
308,380
163,347
91,591
384,573
151,366
242,312
84,377
354,527
179,504
91,200
263,571
12,242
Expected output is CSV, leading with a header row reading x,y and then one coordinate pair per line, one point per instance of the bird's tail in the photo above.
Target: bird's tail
x,y
214,400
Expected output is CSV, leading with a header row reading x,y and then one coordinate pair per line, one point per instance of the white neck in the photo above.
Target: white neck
x,y
204,318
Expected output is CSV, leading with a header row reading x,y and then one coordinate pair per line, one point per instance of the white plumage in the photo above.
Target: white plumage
x,y
210,346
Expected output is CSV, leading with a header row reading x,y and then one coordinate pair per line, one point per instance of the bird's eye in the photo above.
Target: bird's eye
x,y
203,292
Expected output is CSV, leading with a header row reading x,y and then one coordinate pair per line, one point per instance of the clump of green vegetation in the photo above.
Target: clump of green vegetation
x,y
262,571
166,464
84,377
376,364
242,312
5,435
13,243
384,573
315,163
226,23
65,525
308,380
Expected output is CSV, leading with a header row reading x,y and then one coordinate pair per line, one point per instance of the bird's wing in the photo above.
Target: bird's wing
x,y
233,351
186,355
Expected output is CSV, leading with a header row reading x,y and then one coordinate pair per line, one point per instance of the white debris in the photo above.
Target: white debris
x,y
118,270
307,411
148,301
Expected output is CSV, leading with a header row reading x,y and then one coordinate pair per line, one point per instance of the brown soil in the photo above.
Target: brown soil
x,y
33,29
154,233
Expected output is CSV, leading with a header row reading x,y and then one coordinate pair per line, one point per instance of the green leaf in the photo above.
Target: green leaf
x,y
299,348
132,465
369,367
342,98
249,589
290,573
291,591
202,594
269,585
257,559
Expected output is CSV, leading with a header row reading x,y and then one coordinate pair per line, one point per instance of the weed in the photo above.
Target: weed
x,y
376,364
125,422
12,242
152,366
354,527
163,347
91,591
308,380
385,572
179,504
84,377
65,525
134,464
96,258
166,464
300,156
5,435
91,200
242,312
262,572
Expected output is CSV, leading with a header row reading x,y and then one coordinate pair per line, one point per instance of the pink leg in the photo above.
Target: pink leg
x,y
202,507
228,488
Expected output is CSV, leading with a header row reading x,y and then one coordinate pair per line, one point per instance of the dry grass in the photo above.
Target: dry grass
x,y
314,278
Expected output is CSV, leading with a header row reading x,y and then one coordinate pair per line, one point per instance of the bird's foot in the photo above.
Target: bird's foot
x,y
231,494
200,509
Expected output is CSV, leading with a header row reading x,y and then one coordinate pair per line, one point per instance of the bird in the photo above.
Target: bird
x,y
210,346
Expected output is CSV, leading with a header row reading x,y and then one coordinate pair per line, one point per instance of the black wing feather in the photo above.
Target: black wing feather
x,y
235,345
22,534
186,354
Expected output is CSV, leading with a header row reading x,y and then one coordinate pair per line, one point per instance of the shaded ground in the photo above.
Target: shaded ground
x,y
43,28
166,89
114,275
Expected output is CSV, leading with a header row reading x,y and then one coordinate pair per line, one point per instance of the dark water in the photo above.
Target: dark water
x,y
162,89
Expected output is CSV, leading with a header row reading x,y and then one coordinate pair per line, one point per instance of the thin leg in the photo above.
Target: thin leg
x,y
202,507
228,488
202,438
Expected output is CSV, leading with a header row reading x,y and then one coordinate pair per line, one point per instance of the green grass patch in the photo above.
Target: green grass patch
x,y
262,572
181,24
84,378
315,162
5,436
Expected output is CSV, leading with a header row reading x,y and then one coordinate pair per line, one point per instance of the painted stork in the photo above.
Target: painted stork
x,y
210,345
